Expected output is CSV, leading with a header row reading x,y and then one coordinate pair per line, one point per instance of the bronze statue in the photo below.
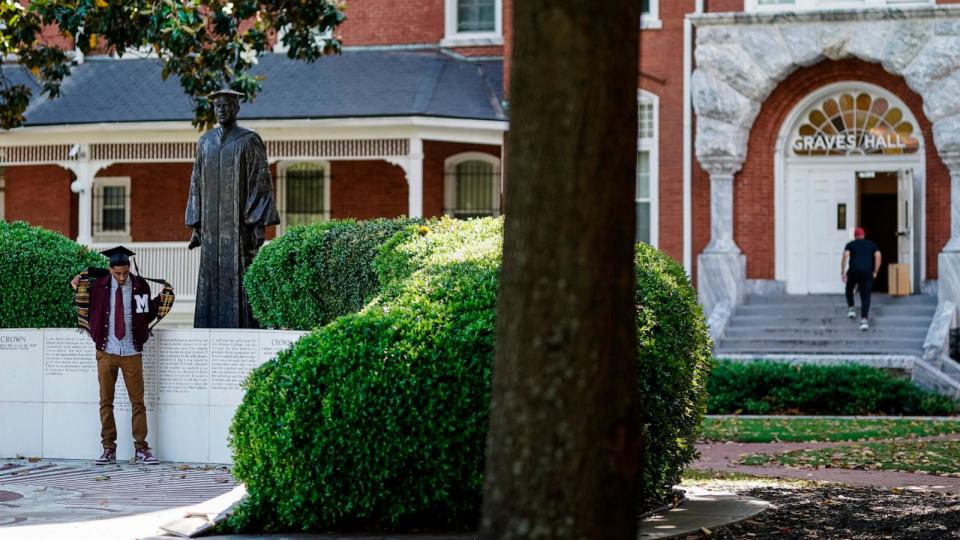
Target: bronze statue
x,y
230,204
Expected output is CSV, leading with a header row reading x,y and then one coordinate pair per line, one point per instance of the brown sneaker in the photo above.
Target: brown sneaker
x,y
108,457
145,457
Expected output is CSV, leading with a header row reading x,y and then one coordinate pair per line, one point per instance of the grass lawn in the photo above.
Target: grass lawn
x,y
789,429
931,457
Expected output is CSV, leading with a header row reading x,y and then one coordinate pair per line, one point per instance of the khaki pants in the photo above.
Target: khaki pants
x,y
132,367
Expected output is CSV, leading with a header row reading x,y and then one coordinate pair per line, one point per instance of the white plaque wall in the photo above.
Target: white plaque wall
x,y
49,395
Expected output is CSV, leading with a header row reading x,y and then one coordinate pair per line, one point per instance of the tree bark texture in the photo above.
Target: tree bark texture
x,y
562,451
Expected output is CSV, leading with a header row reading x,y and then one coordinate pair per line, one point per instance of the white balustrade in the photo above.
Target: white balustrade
x,y
171,261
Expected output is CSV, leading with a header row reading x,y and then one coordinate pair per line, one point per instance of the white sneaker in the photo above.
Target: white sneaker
x,y
852,313
864,325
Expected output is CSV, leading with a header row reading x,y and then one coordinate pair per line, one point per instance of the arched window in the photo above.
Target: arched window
x,y
472,185
304,193
648,145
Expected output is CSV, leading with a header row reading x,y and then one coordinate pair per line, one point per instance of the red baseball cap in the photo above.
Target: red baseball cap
x,y
859,232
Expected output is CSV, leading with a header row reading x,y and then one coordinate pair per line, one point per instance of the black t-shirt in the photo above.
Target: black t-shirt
x,y
861,255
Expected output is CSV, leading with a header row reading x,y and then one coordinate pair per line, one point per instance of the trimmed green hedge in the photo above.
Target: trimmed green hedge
x,y
314,273
35,272
379,419
675,359
849,389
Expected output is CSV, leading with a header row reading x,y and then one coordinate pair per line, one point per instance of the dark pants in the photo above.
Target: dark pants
x,y
107,367
864,282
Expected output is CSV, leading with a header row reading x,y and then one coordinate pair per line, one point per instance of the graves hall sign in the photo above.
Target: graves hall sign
x,y
846,124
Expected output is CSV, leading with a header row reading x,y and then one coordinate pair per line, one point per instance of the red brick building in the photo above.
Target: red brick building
x,y
769,130
781,125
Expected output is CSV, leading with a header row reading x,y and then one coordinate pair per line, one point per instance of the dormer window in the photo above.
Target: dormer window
x,y
473,23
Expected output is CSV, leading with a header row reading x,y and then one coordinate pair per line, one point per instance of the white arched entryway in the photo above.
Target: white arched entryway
x,y
741,58
822,176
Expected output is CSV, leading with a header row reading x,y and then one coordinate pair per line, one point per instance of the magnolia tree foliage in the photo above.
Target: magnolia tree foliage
x,y
207,44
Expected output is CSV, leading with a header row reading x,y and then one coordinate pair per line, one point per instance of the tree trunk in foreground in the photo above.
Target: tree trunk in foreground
x,y
562,452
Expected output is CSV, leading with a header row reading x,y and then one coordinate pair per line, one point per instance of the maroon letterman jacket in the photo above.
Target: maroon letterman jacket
x,y
144,310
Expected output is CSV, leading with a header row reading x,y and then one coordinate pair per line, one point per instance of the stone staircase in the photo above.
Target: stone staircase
x,y
818,325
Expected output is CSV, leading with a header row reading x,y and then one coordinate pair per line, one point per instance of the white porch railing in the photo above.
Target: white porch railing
x,y
171,261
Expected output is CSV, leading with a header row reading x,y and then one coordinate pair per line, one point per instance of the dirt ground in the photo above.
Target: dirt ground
x,y
802,510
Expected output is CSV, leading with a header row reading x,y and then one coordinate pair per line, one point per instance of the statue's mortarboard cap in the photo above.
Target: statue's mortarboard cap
x,y
119,256
225,92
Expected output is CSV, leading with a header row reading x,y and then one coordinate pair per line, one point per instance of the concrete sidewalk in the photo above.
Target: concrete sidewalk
x,y
76,499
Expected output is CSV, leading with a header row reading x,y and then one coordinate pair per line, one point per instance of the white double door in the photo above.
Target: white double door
x,y
821,216
821,213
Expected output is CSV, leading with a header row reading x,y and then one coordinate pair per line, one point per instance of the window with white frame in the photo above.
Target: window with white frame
x,y
111,209
472,22
471,185
647,167
809,5
304,193
650,14
319,38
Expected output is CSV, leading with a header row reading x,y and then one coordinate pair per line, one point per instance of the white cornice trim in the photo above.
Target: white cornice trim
x,y
432,128
827,15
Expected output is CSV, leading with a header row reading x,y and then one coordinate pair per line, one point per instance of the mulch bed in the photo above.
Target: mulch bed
x,y
840,512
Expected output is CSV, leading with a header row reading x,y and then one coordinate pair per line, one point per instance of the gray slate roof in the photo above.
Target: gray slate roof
x,y
380,83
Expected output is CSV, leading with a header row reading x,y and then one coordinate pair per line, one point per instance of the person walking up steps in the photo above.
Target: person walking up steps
x,y
864,263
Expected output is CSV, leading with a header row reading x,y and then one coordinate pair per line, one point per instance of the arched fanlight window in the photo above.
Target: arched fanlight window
x,y
855,124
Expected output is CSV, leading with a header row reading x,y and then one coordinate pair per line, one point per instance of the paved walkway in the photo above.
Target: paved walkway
x,y
76,499
723,457
702,509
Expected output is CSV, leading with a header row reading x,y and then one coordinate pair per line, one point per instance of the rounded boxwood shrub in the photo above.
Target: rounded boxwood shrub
x,y
35,270
314,273
848,389
378,420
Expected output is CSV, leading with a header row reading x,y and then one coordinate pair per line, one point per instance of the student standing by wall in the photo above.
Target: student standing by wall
x,y
120,312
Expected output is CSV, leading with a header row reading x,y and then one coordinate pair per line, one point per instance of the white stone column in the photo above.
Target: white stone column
x,y
85,171
721,214
948,262
415,178
721,268
953,164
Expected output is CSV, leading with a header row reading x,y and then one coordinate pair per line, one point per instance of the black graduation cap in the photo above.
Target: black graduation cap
x,y
119,256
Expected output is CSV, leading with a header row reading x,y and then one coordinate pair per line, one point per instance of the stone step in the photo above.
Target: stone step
x,y
776,347
850,330
818,324
766,321
865,337
799,310
831,299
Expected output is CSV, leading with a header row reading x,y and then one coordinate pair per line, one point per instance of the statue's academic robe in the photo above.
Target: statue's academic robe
x,y
231,202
